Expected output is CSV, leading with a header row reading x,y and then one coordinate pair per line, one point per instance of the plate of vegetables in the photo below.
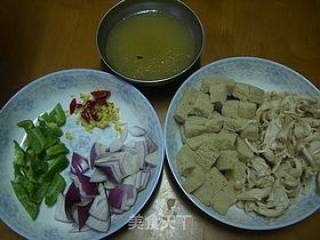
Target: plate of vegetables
x,y
242,141
77,160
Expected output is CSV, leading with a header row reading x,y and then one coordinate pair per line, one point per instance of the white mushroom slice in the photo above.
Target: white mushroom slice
x,y
271,132
284,132
314,147
297,170
302,129
308,157
261,167
290,181
278,196
254,194
267,212
249,206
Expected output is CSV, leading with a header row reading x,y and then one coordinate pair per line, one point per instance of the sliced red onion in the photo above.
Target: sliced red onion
x,y
116,196
117,211
60,213
131,163
141,150
84,202
83,214
131,195
80,212
151,146
100,208
122,197
109,185
98,225
75,228
98,176
118,143
72,197
152,159
88,173
75,214
112,170
101,189
146,178
78,163
143,178
130,145
86,188
97,150
137,131
138,180
115,156
120,171
130,179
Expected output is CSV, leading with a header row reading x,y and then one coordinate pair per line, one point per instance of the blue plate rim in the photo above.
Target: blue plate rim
x,y
224,60
161,140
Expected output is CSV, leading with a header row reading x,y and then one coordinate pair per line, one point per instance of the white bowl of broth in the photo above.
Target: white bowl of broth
x,y
150,42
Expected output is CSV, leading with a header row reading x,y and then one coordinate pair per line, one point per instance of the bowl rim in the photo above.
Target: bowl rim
x,y
154,81
170,162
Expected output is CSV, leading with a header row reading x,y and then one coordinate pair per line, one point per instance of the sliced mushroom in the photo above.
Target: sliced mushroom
x,y
254,194
261,167
270,212
297,170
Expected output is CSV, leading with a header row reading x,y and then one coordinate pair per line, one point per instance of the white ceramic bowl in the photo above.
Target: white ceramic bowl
x,y
42,95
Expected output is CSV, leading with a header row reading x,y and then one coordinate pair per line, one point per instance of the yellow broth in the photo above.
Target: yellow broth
x,y
150,46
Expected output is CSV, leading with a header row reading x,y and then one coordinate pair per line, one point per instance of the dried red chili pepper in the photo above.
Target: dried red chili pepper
x,y
101,95
85,115
72,106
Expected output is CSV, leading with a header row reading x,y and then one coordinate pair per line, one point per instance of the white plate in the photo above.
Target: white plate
x,y
41,96
269,76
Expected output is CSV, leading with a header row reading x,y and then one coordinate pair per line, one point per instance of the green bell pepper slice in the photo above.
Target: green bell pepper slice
x,y
57,186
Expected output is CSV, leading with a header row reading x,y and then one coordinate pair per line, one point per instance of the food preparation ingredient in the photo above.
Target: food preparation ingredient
x,y
38,163
245,146
109,181
96,110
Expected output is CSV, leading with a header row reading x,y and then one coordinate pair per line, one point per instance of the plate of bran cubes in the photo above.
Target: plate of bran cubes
x,y
242,139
